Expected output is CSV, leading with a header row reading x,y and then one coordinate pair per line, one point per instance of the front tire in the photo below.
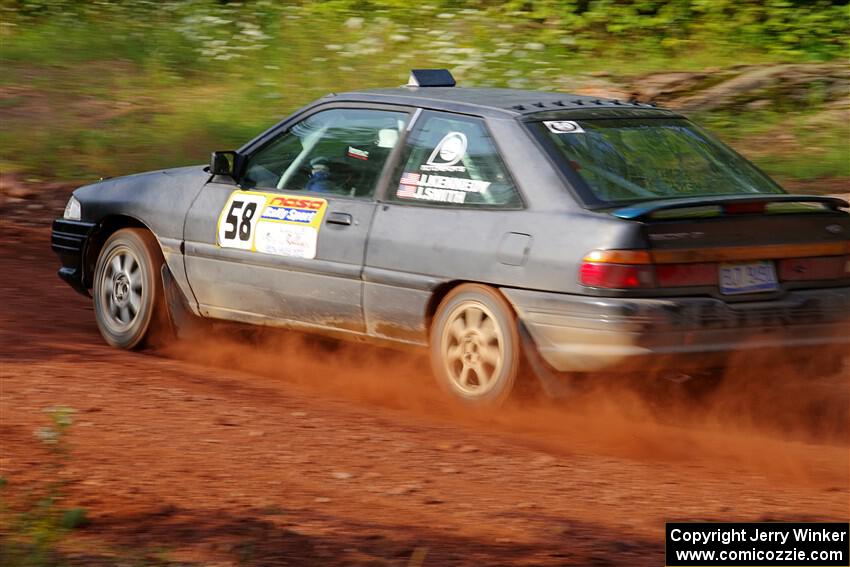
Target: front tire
x,y
127,288
475,346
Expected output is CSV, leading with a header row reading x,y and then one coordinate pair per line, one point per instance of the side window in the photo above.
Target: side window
x,y
451,160
340,152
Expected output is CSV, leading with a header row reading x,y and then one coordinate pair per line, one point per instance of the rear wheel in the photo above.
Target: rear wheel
x,y
128,288
475,348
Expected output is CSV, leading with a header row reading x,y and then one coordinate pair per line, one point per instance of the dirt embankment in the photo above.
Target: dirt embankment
x,y
279,450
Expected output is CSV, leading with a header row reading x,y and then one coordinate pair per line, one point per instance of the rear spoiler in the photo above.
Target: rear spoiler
x,y
643,210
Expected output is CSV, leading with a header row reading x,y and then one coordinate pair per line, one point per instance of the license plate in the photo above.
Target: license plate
x,y
747,277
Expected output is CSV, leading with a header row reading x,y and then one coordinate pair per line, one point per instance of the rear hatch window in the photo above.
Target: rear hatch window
x,y
620,161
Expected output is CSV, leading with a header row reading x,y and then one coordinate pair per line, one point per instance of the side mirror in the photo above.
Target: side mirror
x,y
223,163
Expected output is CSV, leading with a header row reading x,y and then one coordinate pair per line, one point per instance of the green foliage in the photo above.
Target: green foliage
x,y
185,34
112,87
804,145
29,537
74,518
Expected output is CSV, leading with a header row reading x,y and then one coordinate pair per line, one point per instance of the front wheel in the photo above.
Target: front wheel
x,y
475,346
128,288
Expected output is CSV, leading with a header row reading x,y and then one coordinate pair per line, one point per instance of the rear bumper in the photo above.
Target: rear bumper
x,y
69,239
584,334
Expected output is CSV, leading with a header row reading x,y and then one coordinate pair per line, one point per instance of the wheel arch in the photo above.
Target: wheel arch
x,y
107,226
441,291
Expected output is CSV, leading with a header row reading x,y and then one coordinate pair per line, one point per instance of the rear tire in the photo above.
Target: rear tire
x,y
128,295
475,346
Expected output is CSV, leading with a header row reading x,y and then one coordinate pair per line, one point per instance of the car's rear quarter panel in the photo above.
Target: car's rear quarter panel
x,y
414,251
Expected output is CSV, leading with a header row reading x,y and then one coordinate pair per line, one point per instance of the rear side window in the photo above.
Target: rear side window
x,y
451,160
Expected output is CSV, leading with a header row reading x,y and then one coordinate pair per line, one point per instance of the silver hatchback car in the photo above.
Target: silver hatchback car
x,y
587,235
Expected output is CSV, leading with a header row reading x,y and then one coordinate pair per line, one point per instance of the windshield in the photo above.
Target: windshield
x,y
623,160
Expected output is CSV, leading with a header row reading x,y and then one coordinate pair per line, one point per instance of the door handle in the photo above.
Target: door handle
x,y
340,218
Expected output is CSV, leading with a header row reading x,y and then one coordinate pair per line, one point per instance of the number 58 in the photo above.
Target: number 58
x,y
242,226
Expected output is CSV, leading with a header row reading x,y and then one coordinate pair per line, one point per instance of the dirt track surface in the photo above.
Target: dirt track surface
x,y
292,453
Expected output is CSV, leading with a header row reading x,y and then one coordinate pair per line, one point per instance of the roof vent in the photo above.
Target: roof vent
x,y
430,78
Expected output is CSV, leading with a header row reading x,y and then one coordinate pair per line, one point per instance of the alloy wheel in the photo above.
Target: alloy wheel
x,y
473,349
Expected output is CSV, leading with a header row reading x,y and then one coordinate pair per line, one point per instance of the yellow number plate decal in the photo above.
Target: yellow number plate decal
x,y
272,223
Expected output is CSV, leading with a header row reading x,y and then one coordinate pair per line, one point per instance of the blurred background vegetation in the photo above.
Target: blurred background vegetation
x,y
101,88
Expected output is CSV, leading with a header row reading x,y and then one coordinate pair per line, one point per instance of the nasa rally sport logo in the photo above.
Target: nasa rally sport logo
x,y
292,209
447,153
563,127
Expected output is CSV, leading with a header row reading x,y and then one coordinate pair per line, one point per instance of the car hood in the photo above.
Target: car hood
x,y
175,178
157,199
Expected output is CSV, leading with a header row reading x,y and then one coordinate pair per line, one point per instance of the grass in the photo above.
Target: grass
x,y
805,144
118,91
30,533
36,523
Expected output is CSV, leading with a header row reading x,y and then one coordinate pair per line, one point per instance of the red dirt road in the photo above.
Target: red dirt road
x,y
293,453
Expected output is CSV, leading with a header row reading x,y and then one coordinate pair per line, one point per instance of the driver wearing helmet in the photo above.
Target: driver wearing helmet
x,y
320,176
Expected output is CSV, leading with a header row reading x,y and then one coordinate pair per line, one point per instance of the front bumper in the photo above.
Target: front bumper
x,y
585,334
69,239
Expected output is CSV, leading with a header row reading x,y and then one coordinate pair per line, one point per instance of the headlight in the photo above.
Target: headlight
x,y
72,209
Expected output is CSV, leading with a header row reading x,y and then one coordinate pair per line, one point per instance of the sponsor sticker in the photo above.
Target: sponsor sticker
x,y
271,223
563,127
287,240
290,214
448,152
358,154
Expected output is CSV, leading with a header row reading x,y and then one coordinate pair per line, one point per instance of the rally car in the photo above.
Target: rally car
x,y
490,225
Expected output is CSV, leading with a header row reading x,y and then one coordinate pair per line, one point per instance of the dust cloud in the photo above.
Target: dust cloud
x,y
784,418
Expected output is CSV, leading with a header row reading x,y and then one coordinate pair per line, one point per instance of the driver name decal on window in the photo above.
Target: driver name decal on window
x,y
272,223
444,158
450,160
438,187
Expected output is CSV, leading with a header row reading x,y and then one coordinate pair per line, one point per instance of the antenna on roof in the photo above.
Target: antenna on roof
x,y
430,78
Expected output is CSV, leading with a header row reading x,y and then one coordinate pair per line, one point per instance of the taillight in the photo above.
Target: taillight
x,y
620,276
631,269
616,276
617,269
683,275
808,269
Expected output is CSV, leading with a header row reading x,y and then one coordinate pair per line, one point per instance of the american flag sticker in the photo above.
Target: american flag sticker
x,y
408,184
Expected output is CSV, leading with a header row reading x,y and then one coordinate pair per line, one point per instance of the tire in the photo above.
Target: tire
x,y
128,295
475,346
